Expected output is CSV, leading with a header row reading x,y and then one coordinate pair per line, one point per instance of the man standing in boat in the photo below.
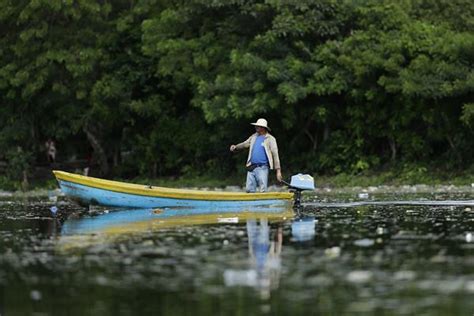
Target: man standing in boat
x,y
263,155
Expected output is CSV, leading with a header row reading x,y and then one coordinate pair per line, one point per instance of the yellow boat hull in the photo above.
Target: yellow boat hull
x,y
97,191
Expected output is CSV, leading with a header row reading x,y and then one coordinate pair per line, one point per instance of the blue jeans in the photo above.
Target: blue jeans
x,y
258,178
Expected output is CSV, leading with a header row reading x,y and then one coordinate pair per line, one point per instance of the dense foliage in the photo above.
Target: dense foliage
x,y
156,87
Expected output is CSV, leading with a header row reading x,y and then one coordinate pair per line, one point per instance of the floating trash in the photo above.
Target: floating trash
x,y
359,276
35,295
53,210
363,195
228,220
364,242
404,275
387,252
469,286
380,230
469,237
333,252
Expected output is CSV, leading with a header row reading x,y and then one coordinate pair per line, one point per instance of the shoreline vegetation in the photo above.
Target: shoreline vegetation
x,y
365,93
419,180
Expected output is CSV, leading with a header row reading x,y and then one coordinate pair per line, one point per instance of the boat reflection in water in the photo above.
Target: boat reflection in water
x,y
265,248
264,228
119,222
83,231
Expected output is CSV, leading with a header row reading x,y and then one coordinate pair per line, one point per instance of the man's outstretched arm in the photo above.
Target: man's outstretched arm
x,y
245,144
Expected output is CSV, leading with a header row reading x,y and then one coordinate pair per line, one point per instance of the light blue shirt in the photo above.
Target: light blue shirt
x,y
259,156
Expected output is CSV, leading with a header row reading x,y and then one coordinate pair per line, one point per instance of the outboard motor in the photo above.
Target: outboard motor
x,y
299,183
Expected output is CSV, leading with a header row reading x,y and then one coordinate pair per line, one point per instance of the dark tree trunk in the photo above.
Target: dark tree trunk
x,y
93,137
327,132
393,149
453,147
313,139
25,183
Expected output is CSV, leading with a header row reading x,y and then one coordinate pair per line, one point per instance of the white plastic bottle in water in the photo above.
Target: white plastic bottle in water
x,y
53,209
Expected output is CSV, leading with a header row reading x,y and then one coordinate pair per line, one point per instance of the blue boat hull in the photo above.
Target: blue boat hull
x,y
96,196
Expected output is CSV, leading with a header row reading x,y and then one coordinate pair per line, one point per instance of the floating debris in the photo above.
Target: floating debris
x,y
228,220
363,195
364,242
380,231
373,259
35,295
53,210
359,276
469,237
404,275
333,252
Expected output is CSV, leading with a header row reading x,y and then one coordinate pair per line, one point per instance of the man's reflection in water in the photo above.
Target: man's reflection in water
x,y
265,262
265,247
265,255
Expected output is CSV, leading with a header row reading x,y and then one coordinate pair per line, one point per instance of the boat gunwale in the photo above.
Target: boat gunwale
x,y
163,192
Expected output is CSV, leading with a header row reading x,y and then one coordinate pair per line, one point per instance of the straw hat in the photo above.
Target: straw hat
x,y
262,123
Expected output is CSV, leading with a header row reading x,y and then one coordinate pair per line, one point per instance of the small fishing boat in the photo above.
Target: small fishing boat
x,y
95,191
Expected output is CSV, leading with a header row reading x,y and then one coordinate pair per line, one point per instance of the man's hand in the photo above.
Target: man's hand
x,y
232,148
279,176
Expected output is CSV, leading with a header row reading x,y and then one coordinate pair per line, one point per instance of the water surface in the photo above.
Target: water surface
x,y
368,260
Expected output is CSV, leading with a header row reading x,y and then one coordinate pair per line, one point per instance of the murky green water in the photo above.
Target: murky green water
x,y
366,260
